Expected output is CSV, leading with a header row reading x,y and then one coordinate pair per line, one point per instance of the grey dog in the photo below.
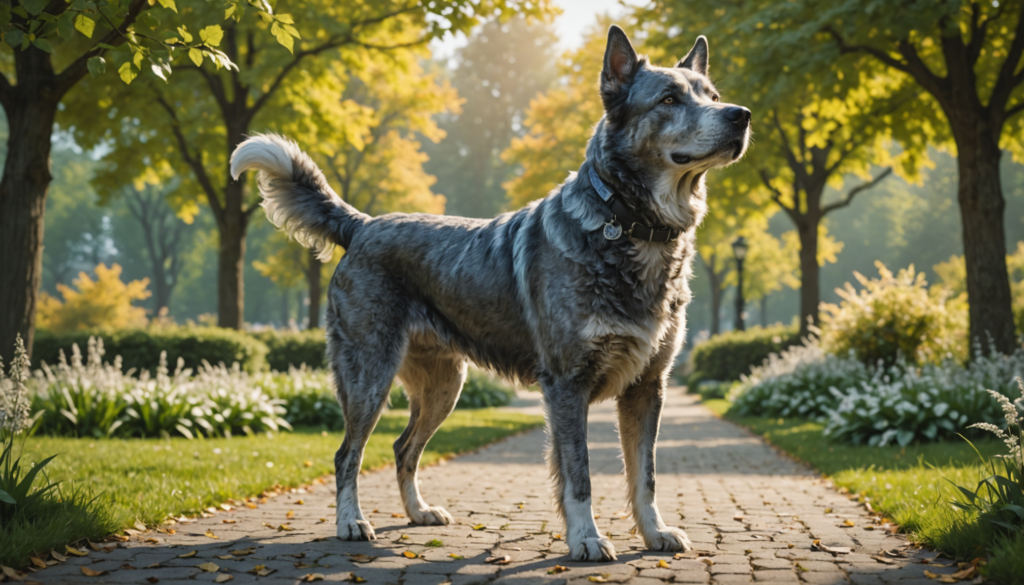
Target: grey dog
x,y
583,291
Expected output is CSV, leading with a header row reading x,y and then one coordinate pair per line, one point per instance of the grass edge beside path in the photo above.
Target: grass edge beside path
x,y
148,480
910,485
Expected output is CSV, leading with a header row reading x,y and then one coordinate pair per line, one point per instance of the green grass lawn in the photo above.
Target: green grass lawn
x,y
148,479
910,485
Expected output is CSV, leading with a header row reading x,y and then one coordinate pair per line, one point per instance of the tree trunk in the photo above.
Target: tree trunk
x,y
23,189
810,285
716,298
230,270
313,280
980,194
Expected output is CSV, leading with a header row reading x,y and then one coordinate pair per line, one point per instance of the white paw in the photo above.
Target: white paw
x,y
431,516
669,539
592,549
355,530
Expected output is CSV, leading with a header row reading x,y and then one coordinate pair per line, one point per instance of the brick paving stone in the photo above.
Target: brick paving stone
x,y
750,511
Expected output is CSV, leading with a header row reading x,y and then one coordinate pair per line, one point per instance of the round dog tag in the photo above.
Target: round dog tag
x,y
612,230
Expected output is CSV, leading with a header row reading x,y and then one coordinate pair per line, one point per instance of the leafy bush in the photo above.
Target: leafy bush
x,y
483,390
140,349
308,397
894,316
293,348
100,400
727,356
104,303
901,403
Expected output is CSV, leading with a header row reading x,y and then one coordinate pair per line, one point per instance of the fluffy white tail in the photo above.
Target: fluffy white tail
x,y
296,195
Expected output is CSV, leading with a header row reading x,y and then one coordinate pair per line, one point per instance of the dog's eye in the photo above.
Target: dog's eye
x,y
669,100
714,97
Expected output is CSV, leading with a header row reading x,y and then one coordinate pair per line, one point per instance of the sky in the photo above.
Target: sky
x,y
576,17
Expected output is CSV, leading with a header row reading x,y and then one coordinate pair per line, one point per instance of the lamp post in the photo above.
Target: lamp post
x,y
739,250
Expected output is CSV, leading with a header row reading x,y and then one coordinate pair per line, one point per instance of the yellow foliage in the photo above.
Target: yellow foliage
x,y
104,303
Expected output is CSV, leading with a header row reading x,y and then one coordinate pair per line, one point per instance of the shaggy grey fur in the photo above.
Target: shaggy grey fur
x,y
538,295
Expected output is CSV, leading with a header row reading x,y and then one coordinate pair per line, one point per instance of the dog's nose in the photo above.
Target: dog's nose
x,y
737,115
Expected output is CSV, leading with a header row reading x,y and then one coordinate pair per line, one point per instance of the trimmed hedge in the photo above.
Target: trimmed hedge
x,y
294,348
727,356
140,348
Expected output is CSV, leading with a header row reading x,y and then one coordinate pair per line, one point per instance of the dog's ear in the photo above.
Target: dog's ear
x,y
697,58
620,62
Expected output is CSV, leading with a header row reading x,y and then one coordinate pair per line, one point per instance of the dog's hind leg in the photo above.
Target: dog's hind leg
x,y
639,410
363,370
566,404
433,382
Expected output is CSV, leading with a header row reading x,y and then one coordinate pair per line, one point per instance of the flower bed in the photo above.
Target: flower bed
x,y
878,405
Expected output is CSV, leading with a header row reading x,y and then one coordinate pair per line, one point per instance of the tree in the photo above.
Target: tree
x,y
199,119
164,234
559,123
964,57
816,129
54,44
502,66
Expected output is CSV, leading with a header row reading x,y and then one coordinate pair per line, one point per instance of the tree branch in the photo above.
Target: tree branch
x,y
873,51
794,164
216,87
855,191
1009,78
792,212
1014,111
195,163
74,72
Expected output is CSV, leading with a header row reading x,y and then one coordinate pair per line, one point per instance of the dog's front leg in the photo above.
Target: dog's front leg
x,y
570,471
639,418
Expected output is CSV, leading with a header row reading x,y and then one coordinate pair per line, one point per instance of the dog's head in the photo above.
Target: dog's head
x,y
668,124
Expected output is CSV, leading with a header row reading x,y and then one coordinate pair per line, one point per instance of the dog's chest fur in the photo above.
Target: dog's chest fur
x,y
633,295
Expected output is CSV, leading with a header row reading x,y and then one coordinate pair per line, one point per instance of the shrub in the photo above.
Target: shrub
x,y
293,348
308,397
140,349
104,303
484,390
894,316
727,356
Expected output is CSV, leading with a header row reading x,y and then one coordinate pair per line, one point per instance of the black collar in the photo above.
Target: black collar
x,y
623,216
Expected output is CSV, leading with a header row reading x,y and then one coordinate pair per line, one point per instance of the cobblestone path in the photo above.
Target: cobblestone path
x,y
752,514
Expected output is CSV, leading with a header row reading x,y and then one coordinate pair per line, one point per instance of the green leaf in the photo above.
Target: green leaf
x,y
66,25
97,66
184,34
169,4
229,11
85,25
126,72
43,45
25,486
13,38
6,497
286,40
33,7
196,55
212,35
106,46
137,59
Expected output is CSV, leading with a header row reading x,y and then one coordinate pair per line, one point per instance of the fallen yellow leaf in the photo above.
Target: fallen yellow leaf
x,y
38,562
188,555
930,575
223,578
290,515
353,578
663,565
361,558
209,567
307,464
284,527
211,535
74,551
410,555
90,573
848,523
557,569
456,557
502,560
58,557
265,572
243,551
13,574
227,521
597,579
313,577
479,527
398,515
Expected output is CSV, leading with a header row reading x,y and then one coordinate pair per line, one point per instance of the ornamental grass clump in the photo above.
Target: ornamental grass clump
x,y
895,316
